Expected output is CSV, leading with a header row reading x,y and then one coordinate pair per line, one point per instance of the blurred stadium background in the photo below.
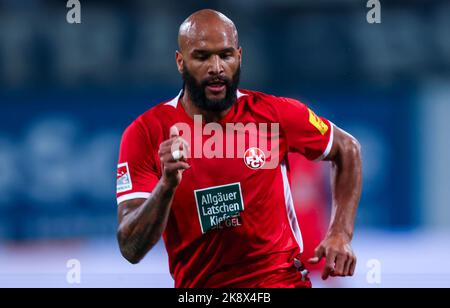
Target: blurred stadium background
x,y
68,91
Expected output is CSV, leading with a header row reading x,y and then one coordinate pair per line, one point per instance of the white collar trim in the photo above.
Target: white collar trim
x,y
174,102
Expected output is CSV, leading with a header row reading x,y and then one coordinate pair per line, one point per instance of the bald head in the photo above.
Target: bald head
x,y
206,25
209,59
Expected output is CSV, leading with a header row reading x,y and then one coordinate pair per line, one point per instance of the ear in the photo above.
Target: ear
x,y
240,55
180,61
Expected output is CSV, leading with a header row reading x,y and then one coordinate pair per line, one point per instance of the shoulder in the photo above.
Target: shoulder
x,y
150,123
256,96
262,98
163,112
275,106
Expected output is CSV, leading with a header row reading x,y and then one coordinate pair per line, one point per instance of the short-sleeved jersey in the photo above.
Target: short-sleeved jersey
x,y
232,221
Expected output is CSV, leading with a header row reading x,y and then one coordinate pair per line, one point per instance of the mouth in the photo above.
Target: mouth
x,y
216,87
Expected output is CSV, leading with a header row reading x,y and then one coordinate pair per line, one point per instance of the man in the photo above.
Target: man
x,y
222,201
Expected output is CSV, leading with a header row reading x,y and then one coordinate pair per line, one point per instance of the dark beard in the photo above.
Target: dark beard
x,y
198,96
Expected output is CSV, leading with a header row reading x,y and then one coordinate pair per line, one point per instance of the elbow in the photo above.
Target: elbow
x,y
126,249
130,257
132,260
133,251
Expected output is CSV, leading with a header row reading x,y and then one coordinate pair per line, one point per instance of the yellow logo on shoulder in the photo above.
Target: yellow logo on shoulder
x,y
317,122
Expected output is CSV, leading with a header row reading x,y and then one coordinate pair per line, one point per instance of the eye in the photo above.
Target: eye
x,y
202,57
226,56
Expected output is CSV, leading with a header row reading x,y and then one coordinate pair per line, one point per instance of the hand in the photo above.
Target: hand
x,y
340,259
172,169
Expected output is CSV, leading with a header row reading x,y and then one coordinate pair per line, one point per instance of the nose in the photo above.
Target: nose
x,y
215,67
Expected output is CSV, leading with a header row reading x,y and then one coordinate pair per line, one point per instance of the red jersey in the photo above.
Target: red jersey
x,y
232,221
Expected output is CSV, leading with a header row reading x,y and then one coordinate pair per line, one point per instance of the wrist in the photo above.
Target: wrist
x,y
167,184
339,232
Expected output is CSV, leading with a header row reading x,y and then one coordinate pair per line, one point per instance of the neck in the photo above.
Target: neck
x,y
207,116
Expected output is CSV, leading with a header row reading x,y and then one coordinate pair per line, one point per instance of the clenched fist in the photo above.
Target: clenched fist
x,y
173,154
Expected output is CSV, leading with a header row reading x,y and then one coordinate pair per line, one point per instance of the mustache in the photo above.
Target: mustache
x,y
216,79
197,90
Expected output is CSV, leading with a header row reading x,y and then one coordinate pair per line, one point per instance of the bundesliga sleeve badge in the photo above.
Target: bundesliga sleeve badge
x,y
123,178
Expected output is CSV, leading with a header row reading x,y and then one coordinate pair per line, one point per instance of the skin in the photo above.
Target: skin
x,y
346,185
208,47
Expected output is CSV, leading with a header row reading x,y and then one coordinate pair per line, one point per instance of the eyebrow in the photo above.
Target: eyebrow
x,y
204,51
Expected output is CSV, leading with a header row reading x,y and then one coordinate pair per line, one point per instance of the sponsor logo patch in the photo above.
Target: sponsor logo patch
x,y
219,206
317,122
123,178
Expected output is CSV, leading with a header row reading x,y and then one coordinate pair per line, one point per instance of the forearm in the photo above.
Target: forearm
x,y
346,176
142,226
346,188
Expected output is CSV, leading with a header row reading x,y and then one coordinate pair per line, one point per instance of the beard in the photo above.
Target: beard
x,y
197,92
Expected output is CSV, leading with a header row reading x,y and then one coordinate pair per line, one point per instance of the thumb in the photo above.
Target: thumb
x,y
174,132
318,255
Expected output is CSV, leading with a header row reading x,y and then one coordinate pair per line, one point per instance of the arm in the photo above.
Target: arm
x,y
346,177
142,222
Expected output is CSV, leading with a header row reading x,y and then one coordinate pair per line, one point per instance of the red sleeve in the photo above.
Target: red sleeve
x,y
306,133
137,174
